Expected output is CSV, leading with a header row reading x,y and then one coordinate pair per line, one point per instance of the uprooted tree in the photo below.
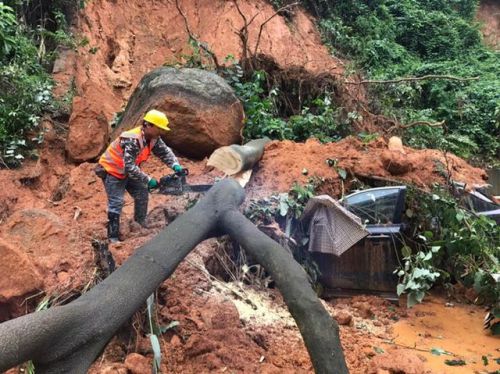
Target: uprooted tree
x,y
68,338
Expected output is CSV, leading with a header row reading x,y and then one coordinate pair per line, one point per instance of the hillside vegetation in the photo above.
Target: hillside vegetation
x,y
390,40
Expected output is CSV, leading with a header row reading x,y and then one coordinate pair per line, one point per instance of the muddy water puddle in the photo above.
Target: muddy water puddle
x,y
441,331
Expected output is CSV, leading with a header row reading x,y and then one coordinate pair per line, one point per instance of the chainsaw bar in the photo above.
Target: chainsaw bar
x,y
175,184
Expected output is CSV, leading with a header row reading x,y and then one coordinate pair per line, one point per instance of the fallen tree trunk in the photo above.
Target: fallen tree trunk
x,y
67,339
319,330
234,158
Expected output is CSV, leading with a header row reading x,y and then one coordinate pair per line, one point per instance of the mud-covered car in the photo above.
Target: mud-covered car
x,y
368,266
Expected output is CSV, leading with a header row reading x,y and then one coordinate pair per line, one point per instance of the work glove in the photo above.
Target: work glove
x,y
152,184
177,168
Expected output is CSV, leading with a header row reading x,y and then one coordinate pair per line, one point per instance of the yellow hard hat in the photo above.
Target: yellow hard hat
x,y
157,118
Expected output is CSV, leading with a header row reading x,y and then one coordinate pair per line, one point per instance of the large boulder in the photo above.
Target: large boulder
x,y
203,110
88,131
19,276
54,249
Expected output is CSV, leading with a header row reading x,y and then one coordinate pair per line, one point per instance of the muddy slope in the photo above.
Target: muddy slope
x,y
488,15
123,40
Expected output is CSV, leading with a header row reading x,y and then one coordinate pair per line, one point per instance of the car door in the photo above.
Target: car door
x,y
368,266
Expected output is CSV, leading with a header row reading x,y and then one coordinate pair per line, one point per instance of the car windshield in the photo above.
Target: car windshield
x,y
375,206
477,202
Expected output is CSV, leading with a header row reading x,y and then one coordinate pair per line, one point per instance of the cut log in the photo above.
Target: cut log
x,y
67,339
234,158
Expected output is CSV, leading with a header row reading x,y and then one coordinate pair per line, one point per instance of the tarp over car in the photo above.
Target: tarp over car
x,y
332,228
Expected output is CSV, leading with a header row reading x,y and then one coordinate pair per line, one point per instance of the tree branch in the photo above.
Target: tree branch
x,y
243,33
397,126
413,79
192,36
283,8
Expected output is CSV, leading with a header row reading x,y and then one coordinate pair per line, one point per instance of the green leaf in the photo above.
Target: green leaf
x,y
342,173
415,297
439,352
283,208
460,216
435,248
400,289
378,350
485,360
150,304
406,251
155,344
420,273
428,235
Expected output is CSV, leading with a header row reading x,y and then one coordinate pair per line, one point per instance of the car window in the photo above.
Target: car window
x,y
374,206
479,203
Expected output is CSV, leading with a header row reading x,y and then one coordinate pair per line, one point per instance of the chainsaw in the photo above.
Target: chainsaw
x,y
175,184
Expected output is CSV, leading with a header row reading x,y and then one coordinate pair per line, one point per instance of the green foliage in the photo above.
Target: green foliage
x,y
7,27
390,39
62,35
285,209
418,274
200,57
288,205
25,86
25,90
454,244
317,119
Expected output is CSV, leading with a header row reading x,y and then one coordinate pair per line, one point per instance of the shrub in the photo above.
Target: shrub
x,y
389,39
317,119
25,90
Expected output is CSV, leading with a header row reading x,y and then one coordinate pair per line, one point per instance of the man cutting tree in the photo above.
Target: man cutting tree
x,y
119,168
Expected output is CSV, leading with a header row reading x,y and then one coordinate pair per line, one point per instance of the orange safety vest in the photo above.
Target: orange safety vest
x,y
112,159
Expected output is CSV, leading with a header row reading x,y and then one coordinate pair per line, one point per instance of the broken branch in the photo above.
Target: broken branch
x,y
282,9
413,79
426,123
201,45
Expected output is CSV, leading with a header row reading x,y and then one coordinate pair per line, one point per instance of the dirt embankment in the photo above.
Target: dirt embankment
x,y
122,46
488,14
285,163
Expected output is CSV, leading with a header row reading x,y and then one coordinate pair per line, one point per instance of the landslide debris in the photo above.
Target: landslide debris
x,y
286,162
123,46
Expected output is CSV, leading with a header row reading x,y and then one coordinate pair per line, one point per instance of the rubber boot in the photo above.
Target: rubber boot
x,y
113,227
141,210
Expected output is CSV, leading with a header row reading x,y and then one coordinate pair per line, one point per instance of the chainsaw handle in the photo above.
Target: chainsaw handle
x,y
182,173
